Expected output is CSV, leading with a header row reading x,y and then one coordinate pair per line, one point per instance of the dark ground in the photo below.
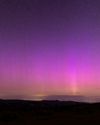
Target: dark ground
x,y
17,112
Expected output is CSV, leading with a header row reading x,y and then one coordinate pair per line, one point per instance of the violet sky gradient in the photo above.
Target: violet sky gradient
x,y
49,47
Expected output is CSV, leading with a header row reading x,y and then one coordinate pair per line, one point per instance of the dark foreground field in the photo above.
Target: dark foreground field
x,y
16,112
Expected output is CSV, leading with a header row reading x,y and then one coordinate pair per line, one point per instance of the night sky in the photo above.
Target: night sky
x,y
49,47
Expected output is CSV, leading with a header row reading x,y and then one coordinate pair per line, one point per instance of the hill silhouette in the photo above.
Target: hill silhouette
x,y
76,98
19,112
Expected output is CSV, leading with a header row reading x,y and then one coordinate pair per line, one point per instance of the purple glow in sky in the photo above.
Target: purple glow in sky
x,y
49,47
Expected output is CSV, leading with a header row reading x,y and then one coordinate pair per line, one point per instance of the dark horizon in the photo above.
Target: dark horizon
x,y
66,98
